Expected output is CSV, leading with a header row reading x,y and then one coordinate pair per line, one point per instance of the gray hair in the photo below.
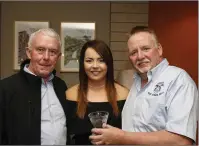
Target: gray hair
x,y
138,29
45,31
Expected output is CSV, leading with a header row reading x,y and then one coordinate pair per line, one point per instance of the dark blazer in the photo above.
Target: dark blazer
x,y
20,108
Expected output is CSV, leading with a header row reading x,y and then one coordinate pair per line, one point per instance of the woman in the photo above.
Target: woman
x,y
97,91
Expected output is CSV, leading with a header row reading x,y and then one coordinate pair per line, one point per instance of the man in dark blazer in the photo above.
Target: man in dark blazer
x,y
32,101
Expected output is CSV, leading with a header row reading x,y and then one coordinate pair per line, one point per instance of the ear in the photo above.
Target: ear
x,y
60,54
28,53
160,49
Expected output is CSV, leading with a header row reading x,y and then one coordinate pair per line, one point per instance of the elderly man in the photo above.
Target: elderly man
x,y
32,101
161,107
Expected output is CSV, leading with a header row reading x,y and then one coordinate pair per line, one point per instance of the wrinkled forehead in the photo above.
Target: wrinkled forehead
x,y
141,39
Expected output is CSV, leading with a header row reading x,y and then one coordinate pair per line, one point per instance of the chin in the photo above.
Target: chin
x,y
96,79
46,74
143,70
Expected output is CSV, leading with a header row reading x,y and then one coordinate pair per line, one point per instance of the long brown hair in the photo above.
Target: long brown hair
x,y
104,51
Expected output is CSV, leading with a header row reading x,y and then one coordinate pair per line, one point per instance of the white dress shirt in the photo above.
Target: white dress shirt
x,y
167,102
53,120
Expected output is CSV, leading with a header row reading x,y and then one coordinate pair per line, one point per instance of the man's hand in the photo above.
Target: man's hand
x,y
106,135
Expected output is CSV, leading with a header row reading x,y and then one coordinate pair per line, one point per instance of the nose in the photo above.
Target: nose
x,y
46,55
140,54
95,64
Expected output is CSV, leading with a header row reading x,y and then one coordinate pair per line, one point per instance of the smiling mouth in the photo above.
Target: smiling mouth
x,y
44,65
95,72
142,64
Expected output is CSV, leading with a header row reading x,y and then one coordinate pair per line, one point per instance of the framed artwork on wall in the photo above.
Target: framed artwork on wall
x,y
22,31
73,36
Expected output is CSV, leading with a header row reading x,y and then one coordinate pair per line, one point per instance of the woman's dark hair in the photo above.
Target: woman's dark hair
x,y
104,51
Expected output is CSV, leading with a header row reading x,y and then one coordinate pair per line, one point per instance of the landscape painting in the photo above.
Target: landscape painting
x,y
73,36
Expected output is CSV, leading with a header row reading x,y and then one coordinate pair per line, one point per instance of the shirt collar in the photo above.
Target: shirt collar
x,y
151,74
159,68
51,76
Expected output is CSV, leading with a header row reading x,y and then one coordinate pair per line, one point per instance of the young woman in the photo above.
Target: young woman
x,y
97,91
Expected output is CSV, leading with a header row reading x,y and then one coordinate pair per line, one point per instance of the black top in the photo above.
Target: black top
x,y
79,130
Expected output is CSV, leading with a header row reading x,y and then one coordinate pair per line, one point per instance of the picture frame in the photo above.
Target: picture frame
x,y
22,31
73,36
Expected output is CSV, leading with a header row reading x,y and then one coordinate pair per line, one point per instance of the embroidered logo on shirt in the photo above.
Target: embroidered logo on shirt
x,y
157,89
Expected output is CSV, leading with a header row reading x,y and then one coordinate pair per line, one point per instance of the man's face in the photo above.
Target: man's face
x,y
144,52
44,53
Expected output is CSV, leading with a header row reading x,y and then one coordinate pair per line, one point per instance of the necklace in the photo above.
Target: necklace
x,y
97,87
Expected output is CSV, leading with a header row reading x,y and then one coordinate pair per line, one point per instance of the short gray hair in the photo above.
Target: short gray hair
x,y
45,31
138,29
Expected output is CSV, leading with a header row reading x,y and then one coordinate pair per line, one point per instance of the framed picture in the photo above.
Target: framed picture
x,y
73,36
22,31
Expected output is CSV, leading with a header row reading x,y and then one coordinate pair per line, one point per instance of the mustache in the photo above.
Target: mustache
x,y
140,62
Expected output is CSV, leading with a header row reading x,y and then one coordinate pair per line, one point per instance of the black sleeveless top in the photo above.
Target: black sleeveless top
x,y
79,130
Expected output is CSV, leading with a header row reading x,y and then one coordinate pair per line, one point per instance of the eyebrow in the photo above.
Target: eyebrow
x,y
93,58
